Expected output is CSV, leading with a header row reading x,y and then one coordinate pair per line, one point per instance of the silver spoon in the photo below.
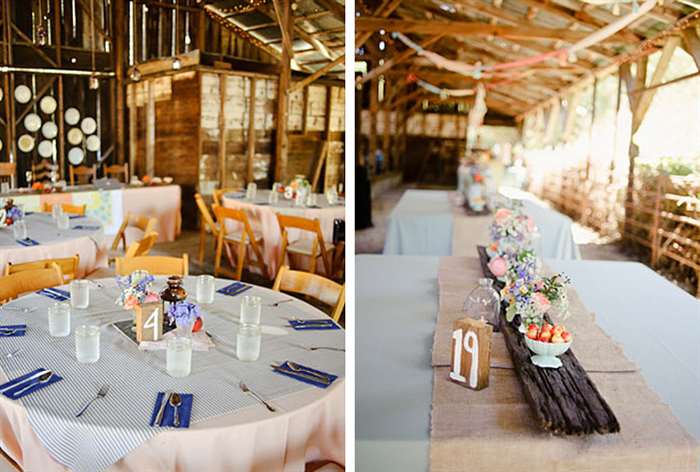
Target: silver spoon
x,y
245,389
276,304
101,394
43,378
297,368
18,309
175,402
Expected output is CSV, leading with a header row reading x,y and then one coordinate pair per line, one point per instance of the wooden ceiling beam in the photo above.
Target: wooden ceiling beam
x,y
383,11
334,7
388,64
369,25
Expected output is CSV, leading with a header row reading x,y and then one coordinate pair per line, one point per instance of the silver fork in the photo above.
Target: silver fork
x,y
276,304
316,348
18,309
101,394
245,389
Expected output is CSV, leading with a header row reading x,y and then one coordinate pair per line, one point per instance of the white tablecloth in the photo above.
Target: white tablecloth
x,y
264,219
397,304
425,223
89,244
230,430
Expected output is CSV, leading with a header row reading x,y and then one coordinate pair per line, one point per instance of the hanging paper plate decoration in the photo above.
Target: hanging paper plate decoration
x,y
32,122
76,156
92,143
75,136
23,94
88,125
0,144
25,143
45,149
2,95
72,116
48,104
49,130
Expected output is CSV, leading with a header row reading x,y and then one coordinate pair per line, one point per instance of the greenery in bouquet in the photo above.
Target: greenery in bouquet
x,y
522,291
554,288
136,292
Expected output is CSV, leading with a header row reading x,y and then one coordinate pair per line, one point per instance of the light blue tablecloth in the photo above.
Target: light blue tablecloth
x,y
657,324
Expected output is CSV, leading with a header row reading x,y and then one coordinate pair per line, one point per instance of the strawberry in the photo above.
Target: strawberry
x,y
532,326
566,336
557,339
545,336
197,325
558,329
532,335
547,327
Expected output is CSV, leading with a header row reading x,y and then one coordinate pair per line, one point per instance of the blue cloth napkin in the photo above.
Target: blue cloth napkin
x,y
73,217
284,369
27,242
234,289
315,324
5,330
86,227
20,382
55,293
184,411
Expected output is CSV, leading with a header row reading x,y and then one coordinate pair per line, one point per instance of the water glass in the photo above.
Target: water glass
x,y
274,196
59,319
87,343
205,289
5,187
56,211
63,221
80,294
311,200
19,230
251,190
332,196
251,308
300,199
179,356
248,343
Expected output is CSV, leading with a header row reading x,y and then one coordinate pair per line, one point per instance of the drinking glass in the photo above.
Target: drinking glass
x,y
63,221
87,343
19,230
205,289
4,187
251,190
311,200
179,356
332,196
300,198
80,294
251,307
274,196
248,343
59,319
56,211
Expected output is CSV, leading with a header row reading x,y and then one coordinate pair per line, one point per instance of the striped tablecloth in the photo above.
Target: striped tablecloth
x,y
118,424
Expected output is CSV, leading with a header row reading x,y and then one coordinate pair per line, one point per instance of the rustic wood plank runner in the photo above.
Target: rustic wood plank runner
x,y
565,401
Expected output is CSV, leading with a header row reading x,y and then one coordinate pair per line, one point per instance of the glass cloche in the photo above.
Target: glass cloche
x,y
483,301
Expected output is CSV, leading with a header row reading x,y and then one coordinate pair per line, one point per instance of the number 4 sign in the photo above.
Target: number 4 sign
x,y
149,322
471,353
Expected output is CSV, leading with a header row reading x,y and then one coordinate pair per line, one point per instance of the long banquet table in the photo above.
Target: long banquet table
x,y
230,430
84,238
110,206
397,302
428,223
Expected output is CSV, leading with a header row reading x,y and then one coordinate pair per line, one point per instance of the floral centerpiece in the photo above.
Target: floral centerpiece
x,y
136,290
10,213
186,315
510,231
297,185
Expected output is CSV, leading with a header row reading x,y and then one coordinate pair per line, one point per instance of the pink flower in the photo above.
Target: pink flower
x,y
531,224
502,214
541,302
498,266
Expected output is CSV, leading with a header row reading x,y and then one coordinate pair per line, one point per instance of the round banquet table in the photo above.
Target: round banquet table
x,y
229,429
88,242
263,218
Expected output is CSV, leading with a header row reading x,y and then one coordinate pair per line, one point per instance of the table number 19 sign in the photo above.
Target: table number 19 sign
x,y
471,353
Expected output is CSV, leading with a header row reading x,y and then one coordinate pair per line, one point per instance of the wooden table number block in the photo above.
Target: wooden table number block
x,y
471,353
149,322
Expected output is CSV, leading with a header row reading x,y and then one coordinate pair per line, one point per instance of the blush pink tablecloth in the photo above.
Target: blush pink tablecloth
x,y
162,202
312,429
264,219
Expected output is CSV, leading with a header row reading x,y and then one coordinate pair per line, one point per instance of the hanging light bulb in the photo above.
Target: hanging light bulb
x,y
177,63
93,82
135,74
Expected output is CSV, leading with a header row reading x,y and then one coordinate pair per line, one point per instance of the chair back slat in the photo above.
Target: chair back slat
x,y
155,265
146,224
68,265
117,170
26,281
66,207
204,213
82,173
312,285
144,246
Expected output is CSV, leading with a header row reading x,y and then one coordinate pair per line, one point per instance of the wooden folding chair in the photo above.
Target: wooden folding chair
x,y
66,207
14,285
117,170
142,247
143,223
312,285
218,195
8,172
244,236
82,174
44,171
206,220
68,266
313,248
155,265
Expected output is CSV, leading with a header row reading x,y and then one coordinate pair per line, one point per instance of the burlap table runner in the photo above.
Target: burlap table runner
x,y
457,276
494,430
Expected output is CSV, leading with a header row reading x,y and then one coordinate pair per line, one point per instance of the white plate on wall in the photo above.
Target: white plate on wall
x,y
23,94
25,143
32,122
92,143
76,156
75,136
49,130
72,116
45,149
0,144
2,95
48,104
88,125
